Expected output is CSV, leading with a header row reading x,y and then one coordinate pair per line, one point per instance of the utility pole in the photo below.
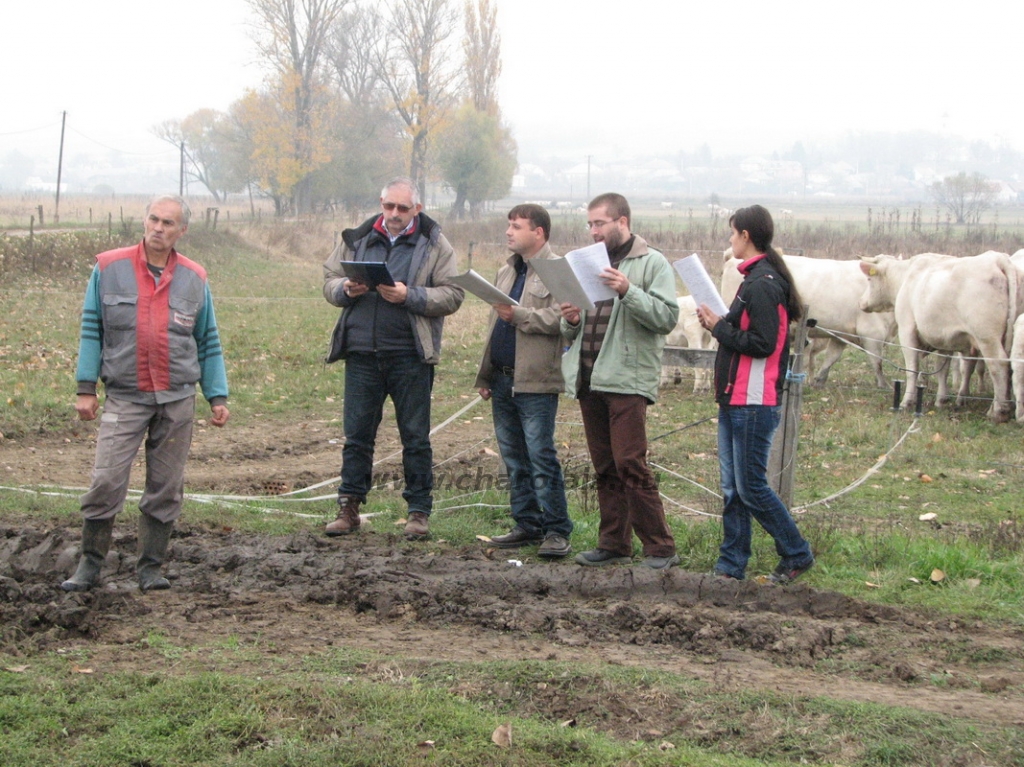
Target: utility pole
x,y
60,165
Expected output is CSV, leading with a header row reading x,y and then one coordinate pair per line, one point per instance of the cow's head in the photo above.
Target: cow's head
x,y
880,295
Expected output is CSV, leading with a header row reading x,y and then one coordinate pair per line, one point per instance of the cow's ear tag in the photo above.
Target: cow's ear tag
x,y
873,271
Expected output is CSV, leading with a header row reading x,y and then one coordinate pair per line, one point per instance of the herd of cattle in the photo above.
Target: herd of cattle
x,y
971,308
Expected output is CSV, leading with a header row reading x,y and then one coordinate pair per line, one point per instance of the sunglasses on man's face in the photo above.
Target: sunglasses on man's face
x,y
389,206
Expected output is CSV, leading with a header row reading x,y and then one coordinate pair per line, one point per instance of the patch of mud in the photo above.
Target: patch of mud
x,y
434,601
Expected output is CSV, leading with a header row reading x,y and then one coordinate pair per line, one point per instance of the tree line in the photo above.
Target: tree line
x,y
356,93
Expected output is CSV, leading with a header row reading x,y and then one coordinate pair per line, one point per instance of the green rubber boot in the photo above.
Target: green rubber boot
x,y
153,539
96,535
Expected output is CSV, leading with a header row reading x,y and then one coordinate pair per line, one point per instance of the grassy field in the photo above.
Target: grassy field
x,y
871,542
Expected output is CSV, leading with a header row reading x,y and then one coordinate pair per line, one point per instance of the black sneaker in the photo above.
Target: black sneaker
x,y
515,538
601,557
555,546
784,574
661,563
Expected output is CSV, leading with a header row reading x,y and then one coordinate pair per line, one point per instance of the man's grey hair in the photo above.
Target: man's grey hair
x,y
402,181
186,211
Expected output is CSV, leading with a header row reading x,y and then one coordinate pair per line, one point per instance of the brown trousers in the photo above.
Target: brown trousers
x,y
627,493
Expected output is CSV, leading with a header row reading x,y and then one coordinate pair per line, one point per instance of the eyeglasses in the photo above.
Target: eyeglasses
x,y
393,205
600,224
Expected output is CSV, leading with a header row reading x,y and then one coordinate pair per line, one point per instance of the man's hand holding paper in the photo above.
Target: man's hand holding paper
x,y
579,278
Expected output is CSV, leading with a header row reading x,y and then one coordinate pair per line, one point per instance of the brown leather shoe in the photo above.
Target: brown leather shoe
x,y
348,517
417,526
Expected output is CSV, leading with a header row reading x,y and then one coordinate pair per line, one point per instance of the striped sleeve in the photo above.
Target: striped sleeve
x,y
212,374
90,342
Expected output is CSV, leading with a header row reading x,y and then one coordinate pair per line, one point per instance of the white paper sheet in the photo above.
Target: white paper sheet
x,y
575,279
699,283
481,288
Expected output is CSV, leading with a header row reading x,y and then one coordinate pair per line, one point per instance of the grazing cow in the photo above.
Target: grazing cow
x,y
832,290
949,305
688,332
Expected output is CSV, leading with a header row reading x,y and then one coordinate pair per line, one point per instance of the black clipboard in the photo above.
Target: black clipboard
x,y
371,273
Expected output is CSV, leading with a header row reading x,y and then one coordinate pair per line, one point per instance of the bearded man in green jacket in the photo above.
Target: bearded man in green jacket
x,y
613,368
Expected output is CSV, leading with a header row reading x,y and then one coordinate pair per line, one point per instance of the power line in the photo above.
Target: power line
x,y
119,151
28,130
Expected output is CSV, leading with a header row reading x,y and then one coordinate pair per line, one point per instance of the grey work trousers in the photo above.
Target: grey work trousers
x,y
167,429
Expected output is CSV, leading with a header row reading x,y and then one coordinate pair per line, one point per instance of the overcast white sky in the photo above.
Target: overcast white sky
x,y
586,78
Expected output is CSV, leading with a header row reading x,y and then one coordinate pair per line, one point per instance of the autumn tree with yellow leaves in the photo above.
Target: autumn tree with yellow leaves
x,y
292,37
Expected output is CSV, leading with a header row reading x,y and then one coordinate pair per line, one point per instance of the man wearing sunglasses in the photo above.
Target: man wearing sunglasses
x,y
390,339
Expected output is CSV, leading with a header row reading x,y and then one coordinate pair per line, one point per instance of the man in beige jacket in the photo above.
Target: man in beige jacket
x,y
521,375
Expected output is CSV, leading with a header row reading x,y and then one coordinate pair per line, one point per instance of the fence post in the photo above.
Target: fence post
x,y
782,460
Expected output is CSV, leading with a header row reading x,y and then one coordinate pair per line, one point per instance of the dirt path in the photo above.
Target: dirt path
x,y
296,595
302,593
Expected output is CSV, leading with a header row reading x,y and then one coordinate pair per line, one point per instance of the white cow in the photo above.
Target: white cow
x,y
688,332
832,290
948,304
1017,349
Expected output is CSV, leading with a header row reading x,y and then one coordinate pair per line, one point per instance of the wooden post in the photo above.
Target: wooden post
x,y
60,167
782,460
31,238
40,209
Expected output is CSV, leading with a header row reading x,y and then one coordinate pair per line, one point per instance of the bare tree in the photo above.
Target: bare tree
x,y
352,49
417,69
965,197
482,47
293,38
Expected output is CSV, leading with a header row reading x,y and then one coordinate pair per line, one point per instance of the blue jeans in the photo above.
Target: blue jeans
x,y
369,380
525,427
744,443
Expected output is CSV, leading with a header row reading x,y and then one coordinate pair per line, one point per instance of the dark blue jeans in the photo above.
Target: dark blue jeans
x,y
369,380
525,427
744,443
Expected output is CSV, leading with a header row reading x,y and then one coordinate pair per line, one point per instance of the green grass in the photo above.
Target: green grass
x,y
364,709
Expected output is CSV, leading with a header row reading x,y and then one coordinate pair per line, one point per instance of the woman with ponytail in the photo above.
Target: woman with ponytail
x,y
750,371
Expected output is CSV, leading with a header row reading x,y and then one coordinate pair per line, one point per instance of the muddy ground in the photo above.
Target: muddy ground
x,y
298,594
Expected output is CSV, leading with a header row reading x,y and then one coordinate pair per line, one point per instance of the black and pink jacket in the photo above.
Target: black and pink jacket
x,y
753,348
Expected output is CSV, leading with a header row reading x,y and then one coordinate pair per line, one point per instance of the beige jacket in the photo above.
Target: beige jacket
x,y
538,341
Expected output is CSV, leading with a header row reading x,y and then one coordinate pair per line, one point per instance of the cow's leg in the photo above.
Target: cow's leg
x,y
876,353
911,357
701,380
967,367
831,349
999,372
942,367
